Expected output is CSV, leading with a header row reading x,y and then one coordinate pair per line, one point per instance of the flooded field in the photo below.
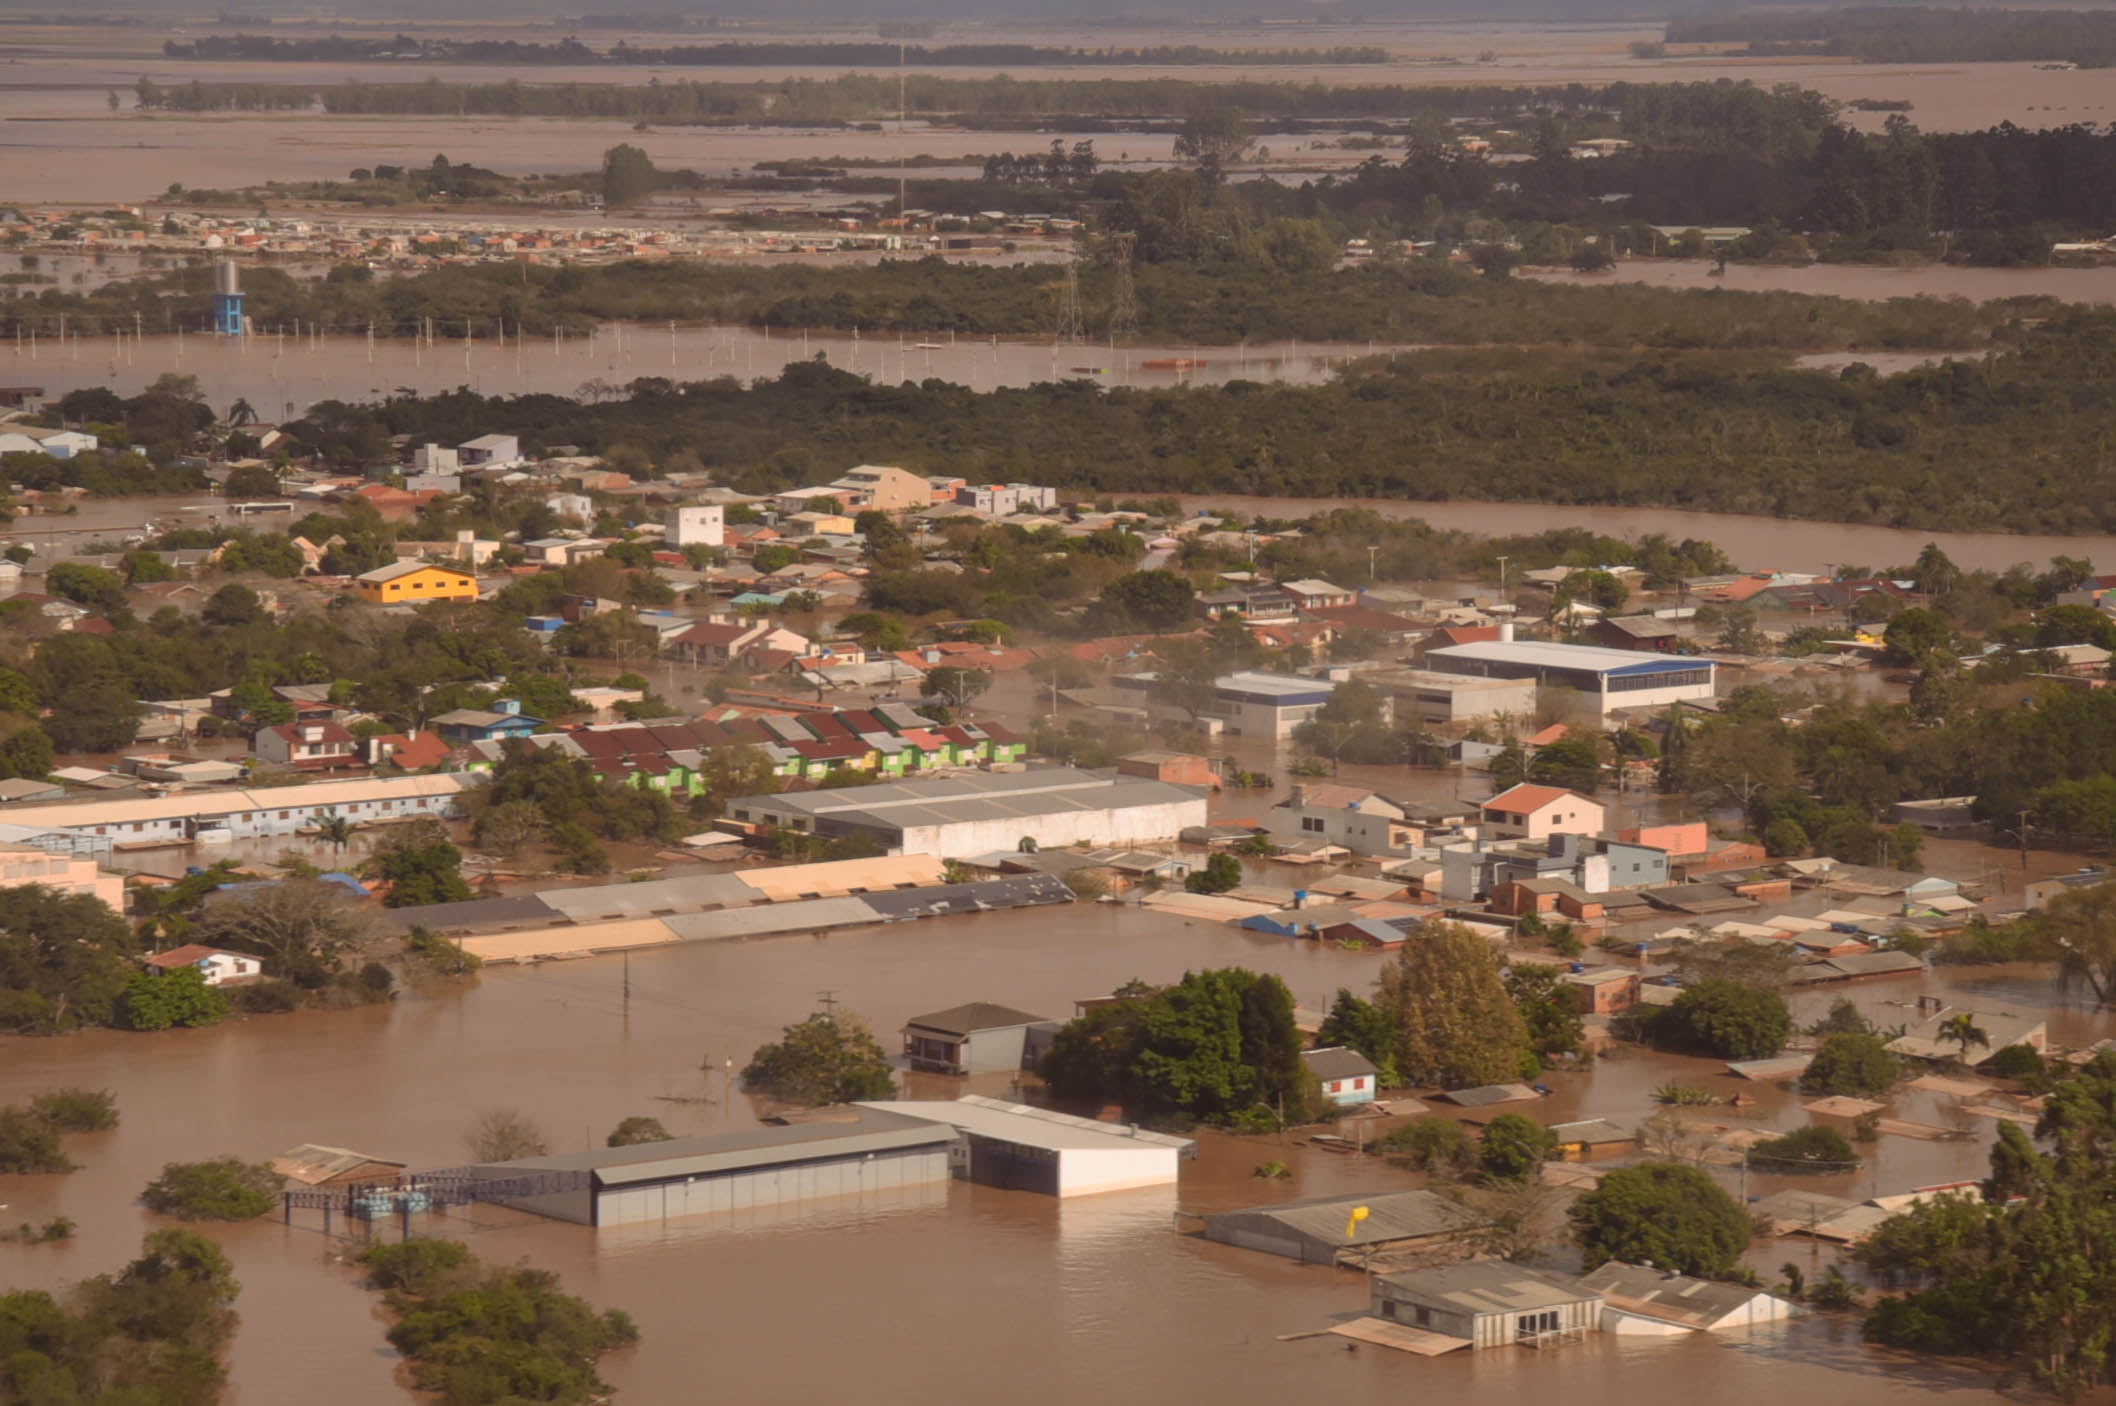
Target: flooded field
x,y
1014,1274
284,375
1754,543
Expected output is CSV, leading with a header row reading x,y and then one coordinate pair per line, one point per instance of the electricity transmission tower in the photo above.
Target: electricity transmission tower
x,y
1071,328
1124,310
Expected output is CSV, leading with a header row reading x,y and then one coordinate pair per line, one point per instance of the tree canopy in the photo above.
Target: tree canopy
x,y
827,1058
1455,1024
1671,1216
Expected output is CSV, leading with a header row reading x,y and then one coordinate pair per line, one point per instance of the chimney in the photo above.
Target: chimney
x,y
1299,797
1506,632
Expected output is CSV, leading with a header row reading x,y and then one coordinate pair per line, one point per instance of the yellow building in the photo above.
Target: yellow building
x,y
416,581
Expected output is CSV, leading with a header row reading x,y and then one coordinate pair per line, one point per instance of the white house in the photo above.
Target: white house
x,y
314,746
1351,817
572,505
1346,1075
220,968
1313,594
490,450
1531,812
16,438
433,459
698,526
1642,1302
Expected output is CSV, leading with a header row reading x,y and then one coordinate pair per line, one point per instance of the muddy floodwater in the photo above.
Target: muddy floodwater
x,y
1095,1299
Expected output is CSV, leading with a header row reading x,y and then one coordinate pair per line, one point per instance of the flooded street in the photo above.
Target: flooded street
x,y
1094,1292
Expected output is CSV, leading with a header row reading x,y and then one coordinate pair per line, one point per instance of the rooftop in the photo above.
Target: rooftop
x,y
1337,1062
1545,655
1399,1215
870,1130
409,566
1488,1286
974,796
1030,1127
977,1015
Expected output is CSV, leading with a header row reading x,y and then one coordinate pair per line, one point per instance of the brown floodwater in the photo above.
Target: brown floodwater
x,y
1065,1301
1754,543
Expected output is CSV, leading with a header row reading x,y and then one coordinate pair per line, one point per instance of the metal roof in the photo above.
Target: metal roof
x,y
1033,1127
76,815
1674,1298
973,797
1391,1216
1485,1095
1543,655
1488,1286
976,1015
872,1130
1337,1062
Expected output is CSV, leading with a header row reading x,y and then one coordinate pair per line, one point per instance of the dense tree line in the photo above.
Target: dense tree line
x,y
1913,33
571,52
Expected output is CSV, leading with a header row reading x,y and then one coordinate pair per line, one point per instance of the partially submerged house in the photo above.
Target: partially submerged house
x,y
1347,1076
1322,1230
313,1164
1488,1303
977,1038
1641,1301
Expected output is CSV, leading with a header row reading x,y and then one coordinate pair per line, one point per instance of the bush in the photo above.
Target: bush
x,y
1809,1149
1674,1216
72,1110
1853,1064
1437,1145
636,1130
1726,1019
178,998
225,1188
29,1144
1514,1146
272,996
2016,1062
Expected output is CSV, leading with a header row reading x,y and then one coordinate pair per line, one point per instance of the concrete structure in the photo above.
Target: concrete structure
x,y
884,489
1007,499
1362,821
21,865
1605,679
1434,699
219,968
434,459
978,1038
1636,632
100,825
415,581
1178,768
1487,1303
1313,594
971,814
1603,990
503,720
755,1170
1925,1041
489,451
1021,1148
1533,812
1321,1230
1642,1302
1348,1077
697,527
318,746
227,299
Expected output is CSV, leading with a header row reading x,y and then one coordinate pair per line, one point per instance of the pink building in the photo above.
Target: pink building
x,y
68,873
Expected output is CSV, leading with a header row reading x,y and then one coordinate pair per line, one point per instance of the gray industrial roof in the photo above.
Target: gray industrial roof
x,y
872,1130
1676,1298
1029,1126
1391,1216
1015,891
1488,1286
977,1015
975,796
1337,1062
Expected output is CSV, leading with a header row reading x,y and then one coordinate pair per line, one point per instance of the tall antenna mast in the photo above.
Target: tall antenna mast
x,y
903,216
1124,311
1070,328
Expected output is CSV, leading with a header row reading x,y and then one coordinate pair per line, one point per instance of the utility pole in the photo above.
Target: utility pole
x,y
1371,550
1502,576
2024,841
829,1000
628,988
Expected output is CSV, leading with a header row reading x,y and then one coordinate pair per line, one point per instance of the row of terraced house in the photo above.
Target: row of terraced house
x,y
890,740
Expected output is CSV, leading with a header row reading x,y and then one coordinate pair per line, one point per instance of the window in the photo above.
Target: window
x,y
1311,822
1337,1086
1531,1323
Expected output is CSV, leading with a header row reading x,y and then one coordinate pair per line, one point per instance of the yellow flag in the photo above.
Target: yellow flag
x,y
1359,1213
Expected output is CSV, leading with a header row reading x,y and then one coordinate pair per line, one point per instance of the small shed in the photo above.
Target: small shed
x,y
1485,1095
1639,1301
1323,1230
978,1038
1488,1302
1591,1137
1347,1075
313,1164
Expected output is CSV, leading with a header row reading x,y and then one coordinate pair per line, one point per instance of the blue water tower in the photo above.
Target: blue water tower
x,y
227,299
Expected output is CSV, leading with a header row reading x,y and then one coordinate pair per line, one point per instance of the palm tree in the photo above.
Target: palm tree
x,y
1962,1030
336,831
241,413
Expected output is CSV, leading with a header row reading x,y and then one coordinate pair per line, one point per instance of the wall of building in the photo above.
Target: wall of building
x,y
1088,1171
994,1051
1111,827
765,1187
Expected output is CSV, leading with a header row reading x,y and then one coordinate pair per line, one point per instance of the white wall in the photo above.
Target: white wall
x,y
1085,1171
1131,825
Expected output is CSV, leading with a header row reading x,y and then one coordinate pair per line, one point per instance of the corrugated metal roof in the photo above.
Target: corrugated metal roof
x,y
1033,1127
874,1131
1391,1216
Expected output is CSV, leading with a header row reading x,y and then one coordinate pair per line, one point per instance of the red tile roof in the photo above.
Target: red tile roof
x,y
1529,798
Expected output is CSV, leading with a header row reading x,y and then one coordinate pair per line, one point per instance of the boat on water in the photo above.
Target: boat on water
x,y
1174,363
930,346
1089,370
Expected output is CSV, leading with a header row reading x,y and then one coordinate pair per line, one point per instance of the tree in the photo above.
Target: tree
x,y
1570,763
1810,1149
233,605
1855,1064
1962,1031
628,175
1548,1013
1356,1024
1913,634
510,827
1514,1146
64,960
224,1188
633,1131
1727,1020
251,481
301,927
1145,602
1221,873
1212,136
86,585
1455,1025
827,1058
1429,1144
1660,1213
421,865
179,998
336,831
504,1135
1783,839
958,686
25,748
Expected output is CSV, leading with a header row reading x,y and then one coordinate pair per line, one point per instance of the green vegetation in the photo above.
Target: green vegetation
x,y
631,1132
1218,874
64,961
1514,1146
1810,1149
1913,34
29,1143
420,863
1725,1019
225,1188
1219,1046
478,1334
1548,1010
2012,1276
827,1058
1429,1144
1684,1095
1357,1024
1853,1063
1454,1023
538,793
76,1110
150,1335
168,1000
1674,1217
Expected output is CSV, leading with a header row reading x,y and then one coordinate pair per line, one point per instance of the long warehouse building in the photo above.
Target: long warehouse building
x,y
956,816
1609,679
181,817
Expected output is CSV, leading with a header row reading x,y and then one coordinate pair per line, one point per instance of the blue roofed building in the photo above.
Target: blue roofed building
x,y
1608,679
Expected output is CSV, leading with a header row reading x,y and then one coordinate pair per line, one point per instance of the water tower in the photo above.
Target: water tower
x,y
227,299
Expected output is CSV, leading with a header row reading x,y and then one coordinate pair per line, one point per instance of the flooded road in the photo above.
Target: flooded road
x,y
1097,1293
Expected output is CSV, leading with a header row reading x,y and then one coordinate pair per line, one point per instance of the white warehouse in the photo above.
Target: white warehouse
x,y
977,813
1018,1147
98,826
1608,679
